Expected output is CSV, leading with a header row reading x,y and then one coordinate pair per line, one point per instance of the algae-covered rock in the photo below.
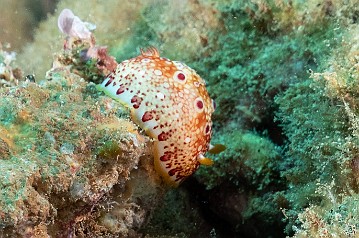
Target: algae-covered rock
x,y
320,118
70,159
284,75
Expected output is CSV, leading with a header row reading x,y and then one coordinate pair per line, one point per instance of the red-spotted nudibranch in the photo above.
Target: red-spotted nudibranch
x,y
170,102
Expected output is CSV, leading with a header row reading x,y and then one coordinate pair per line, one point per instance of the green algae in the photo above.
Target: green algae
x,y
250,156
7,114
14,183
284,75
251,164
254,64
261,67
319,118
109,150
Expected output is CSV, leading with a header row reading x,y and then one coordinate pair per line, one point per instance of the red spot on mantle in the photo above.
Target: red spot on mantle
x,y
207,129
200,104
109,82
181,76
165,157
147,116
120,90
163,136
136,101
173,171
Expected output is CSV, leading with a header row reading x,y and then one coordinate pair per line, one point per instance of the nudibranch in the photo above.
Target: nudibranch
x,y
170,102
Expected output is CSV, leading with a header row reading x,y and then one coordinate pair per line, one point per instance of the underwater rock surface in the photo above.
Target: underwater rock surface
x,y
285,78
70,161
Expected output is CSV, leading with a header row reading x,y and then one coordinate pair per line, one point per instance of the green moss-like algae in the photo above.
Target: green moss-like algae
x,y
284,76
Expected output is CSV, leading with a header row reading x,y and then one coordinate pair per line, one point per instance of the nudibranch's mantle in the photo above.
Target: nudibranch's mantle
x,y
170,102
